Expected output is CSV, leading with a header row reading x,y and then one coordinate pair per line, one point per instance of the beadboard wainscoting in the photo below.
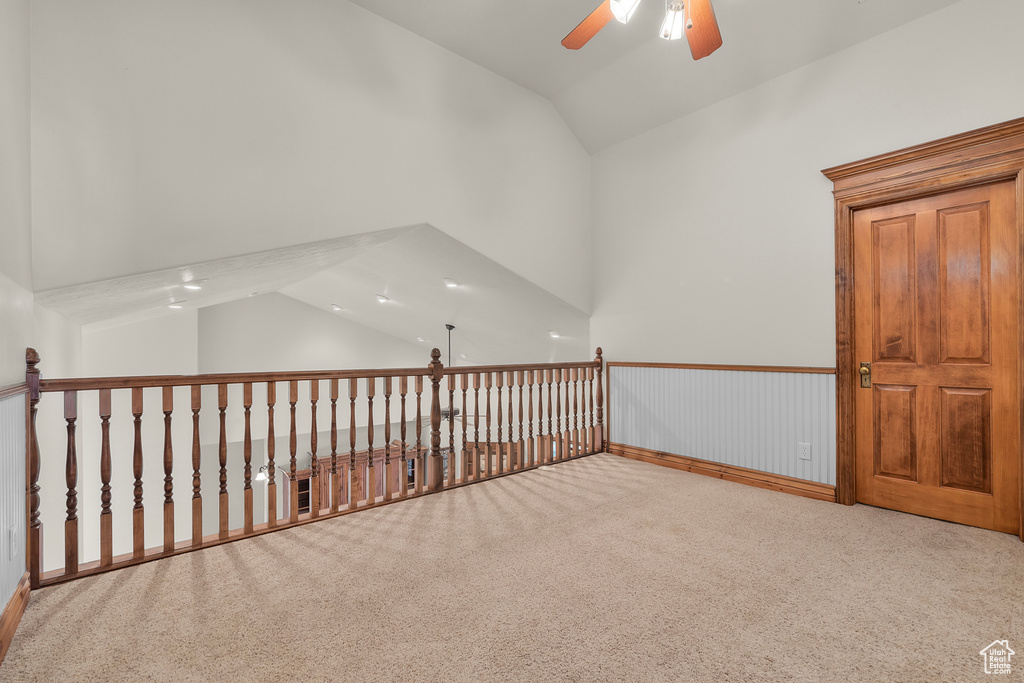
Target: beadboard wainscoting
x,y
12,493
746,420
13,579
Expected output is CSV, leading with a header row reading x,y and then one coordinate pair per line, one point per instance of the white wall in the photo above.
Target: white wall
x,y
713,235
15,198
162,344
167,133
274,332
59,342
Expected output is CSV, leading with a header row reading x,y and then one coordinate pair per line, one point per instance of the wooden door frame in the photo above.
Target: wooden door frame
x,y
978,157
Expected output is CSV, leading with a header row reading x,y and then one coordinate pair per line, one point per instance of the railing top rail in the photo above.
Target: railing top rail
x,y
471,369
737,368
146,381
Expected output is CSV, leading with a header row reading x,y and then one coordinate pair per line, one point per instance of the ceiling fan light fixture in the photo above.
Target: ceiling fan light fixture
x,y
672,26
623,9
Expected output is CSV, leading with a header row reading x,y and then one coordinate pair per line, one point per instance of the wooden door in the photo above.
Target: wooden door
x,y
936,312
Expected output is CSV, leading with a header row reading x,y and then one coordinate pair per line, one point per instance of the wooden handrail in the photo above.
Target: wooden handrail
x,y
731,368
354,484
518,367
151,381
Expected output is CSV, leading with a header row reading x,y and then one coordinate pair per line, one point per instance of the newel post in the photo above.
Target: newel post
x,y
35,527
435,470
600,403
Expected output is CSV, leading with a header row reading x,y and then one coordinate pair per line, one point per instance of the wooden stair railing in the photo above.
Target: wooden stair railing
x,y
352,486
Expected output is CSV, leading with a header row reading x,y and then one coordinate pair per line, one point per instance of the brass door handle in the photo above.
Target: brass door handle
x,y
865,375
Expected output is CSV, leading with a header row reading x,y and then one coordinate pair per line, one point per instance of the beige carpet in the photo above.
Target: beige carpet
x,y
602,569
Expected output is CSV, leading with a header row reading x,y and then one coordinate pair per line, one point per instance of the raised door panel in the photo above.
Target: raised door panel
x,y
895,448
964,284
894,302
966,439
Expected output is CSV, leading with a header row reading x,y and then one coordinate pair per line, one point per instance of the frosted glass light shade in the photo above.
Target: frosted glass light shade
x,y
672,27
623,9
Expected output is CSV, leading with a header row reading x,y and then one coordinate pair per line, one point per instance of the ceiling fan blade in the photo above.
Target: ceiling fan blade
x,y
704,37
589,27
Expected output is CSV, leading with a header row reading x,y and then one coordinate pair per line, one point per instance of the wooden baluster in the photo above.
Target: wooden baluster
x,y
247,458
293,484
475,468
106,518
168,406
420,465
403,480
539,458
335,479
353,472
435,479
387,439
599,435
222,453
197,496
575,412
511,420
559,452
531,447
589,422
35,526
314,464
371,479
487,445
464,460
71,478
520,445
567,434
500,377
138,511
548,444
451,430
271,448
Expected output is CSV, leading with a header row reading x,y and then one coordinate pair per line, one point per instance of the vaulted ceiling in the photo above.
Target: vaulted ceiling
x,y
623,82
626,79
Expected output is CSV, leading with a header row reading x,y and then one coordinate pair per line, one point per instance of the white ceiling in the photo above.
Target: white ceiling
x,y
627,80
222,280
499,317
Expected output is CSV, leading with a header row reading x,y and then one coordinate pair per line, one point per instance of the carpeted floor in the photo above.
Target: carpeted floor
x,y
601,569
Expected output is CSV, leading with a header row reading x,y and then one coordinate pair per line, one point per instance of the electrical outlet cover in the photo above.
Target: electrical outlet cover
x,y
804,451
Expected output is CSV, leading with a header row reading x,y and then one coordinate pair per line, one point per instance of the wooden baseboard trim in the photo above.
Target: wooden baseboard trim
x,y
741,475
11,616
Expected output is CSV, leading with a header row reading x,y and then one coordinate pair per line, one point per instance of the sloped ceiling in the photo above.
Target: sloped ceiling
x,y
499,317
627,80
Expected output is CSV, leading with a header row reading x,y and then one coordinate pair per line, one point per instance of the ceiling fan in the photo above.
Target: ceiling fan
x,y
693,18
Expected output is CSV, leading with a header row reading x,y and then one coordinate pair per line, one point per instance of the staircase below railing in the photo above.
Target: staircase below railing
x,y
530,432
